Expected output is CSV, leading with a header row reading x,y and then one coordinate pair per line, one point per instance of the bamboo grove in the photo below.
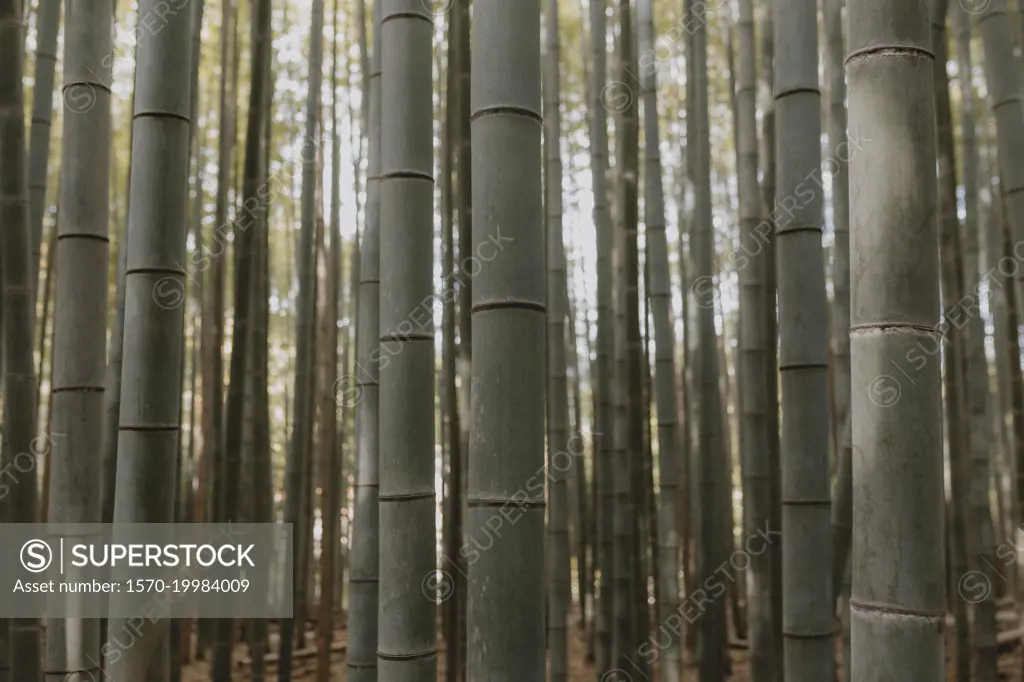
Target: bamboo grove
x,y
611,340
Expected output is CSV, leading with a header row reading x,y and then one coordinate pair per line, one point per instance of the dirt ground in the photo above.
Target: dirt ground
x,y
580,670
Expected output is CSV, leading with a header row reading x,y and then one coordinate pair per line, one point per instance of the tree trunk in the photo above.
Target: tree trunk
x,y
660,296
976,375
803,359
330,444
362,390
1004,75
768,166
627,431
464,199
752,370
842,494
301,445
47,333
604,499
897,605
228,488
263,493
213,323
450,422
22,658
48,23
836,91
506,627
714,507
407,629
112,391
77,380
963,540
558,577
580,517
149,426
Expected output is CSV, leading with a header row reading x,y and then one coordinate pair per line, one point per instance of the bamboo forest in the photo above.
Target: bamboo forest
x,y
565,340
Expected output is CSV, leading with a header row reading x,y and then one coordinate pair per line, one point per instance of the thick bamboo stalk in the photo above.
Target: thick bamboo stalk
x,y
506,626
407,637
148,430
898,599
803,351
77,381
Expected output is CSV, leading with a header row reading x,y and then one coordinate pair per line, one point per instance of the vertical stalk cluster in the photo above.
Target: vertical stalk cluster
x,y
975,362
962,537
297,471
406,628
898,599
505,607
21,658
234,427
1004,76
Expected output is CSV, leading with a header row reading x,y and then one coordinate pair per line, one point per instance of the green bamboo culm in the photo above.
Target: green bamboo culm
x,y
506,625
406,630
898,599
148,428
80,332
363,386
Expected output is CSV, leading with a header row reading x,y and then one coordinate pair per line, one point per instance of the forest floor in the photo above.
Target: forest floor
x,y
304,669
